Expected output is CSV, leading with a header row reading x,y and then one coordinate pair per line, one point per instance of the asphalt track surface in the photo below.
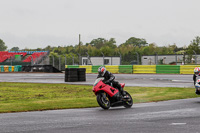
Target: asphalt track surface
x,y
176,116
148,80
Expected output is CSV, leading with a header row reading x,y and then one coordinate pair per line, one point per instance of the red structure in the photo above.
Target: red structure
x,y
4,55
35,56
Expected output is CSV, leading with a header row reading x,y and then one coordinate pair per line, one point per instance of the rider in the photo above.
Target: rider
x,y
109,78
196,76
196,73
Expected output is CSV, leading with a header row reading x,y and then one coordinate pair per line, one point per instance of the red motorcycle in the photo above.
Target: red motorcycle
x,y
107,96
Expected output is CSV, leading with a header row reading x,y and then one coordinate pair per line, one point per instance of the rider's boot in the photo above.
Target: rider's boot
x,y
124,96
197,92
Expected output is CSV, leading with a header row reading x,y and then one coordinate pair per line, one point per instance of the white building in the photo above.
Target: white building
x,y
167,59
101,61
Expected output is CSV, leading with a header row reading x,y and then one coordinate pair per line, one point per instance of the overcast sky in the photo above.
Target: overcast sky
x,y
38,23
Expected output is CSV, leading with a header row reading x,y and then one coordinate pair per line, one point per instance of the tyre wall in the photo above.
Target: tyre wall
x,y
151,69
144,69
168,69
189,69
17,68
112,68
75,74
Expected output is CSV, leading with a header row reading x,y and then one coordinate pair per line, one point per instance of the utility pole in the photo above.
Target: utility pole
x,y
79,44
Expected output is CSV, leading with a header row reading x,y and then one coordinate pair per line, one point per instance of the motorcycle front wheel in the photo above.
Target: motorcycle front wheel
x,y
103,100
129,102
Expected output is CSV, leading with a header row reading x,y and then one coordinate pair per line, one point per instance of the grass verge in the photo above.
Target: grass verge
x,y
21,97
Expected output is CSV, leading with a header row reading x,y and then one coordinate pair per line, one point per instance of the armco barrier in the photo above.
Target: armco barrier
x,y
112,68
159,69
168,69
88,68
189,69
125,69
71,66
95,69
144,69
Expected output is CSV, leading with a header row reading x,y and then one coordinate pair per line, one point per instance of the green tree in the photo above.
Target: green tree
x,y
194,46
98,43
48,48
135,42
107,51
3,47
101,42
14,49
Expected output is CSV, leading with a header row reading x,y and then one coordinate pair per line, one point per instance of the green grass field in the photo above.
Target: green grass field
x,y
19,97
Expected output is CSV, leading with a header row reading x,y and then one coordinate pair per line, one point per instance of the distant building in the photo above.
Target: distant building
x,y
100,60
169,59
161,59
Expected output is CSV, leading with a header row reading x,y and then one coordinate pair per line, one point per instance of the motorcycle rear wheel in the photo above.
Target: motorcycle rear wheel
x,y
129,101
103,100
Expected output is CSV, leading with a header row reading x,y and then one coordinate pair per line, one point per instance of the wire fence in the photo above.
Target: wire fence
x,y
60,61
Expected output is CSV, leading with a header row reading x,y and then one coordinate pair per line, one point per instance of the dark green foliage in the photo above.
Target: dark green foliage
x,y
3,47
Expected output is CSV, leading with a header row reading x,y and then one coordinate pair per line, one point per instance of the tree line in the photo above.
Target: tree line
x,y
128,50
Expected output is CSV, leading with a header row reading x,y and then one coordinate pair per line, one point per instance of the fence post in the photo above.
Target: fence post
x,y
59,63
120,58
72,59
65,60
195,57
156,61
103,58
137,58
175,57
53,60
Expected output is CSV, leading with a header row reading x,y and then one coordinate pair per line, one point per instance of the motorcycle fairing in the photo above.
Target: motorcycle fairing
x,y
122,85
100,86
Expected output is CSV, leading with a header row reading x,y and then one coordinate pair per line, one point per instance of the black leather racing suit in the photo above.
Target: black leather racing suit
x,y
195,78
109,78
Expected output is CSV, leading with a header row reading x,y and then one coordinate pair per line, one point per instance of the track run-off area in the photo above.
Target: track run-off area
x,y
173,116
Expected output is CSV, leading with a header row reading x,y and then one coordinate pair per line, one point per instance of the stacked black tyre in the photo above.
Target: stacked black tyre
x,y
71,75
75,74
81,74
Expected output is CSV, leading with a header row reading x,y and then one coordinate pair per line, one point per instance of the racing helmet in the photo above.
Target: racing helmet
x,y
102,70
196,71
